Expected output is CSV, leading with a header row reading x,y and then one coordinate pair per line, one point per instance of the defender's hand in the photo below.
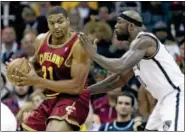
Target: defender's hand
x,y
88,46
23,79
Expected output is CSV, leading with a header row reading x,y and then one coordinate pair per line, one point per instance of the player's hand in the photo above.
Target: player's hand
x,y
24,79
87,44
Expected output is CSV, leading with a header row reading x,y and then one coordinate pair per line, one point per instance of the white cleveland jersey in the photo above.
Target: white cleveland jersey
x,y
159,74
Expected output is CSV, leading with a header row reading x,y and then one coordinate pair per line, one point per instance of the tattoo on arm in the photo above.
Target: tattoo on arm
x,y
111,64
136,52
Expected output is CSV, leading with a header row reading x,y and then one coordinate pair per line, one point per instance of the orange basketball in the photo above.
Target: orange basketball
x,y
21,63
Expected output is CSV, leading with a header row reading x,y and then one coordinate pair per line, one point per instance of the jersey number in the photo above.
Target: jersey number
x,y
46,71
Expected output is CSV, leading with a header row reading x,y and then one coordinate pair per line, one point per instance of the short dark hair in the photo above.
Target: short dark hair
x,y
57,10
127,94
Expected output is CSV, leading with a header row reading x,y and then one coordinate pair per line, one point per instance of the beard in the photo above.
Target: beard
x,y
122,37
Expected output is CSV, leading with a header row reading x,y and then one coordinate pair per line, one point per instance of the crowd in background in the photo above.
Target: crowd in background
x,y
96,19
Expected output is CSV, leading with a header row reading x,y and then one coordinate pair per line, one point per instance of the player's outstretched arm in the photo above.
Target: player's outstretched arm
x,y
137,51
107,63
79,72
114,81
139,48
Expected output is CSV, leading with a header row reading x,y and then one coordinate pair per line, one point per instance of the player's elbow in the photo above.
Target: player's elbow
x,y
78,91
78,87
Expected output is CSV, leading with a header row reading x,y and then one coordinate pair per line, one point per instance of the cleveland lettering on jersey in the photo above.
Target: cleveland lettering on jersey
x,y
51,57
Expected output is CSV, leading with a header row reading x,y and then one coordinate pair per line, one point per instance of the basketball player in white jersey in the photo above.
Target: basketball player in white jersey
x,y
152,64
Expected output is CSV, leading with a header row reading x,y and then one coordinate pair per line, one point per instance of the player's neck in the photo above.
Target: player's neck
x,y
62,40
121,118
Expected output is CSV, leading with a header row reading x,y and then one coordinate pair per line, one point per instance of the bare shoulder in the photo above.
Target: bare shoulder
x,y
40,38
79,52
144,42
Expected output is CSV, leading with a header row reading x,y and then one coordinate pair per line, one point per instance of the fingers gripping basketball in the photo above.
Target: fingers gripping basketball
x,y
21,63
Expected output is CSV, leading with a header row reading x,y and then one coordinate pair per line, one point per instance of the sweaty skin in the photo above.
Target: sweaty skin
x,y
139,48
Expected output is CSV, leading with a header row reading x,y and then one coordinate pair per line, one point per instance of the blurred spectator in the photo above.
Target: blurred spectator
x,y
37,98
91,79
24,112
84,8
110,5
132,89
180,59
5,92
13,17
139,123
41,8
92,122
105,16
76,22
31,21
9,44
73,4
154,12
89,29
127,5
124,121
103,34
146,102
160,30
18,99
104,106
85,11
96,74
27,45
99,74
178,19
8,84
134,85
118,48
8,120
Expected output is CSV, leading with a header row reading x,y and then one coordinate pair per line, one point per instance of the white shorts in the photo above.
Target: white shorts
x,y
168,114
